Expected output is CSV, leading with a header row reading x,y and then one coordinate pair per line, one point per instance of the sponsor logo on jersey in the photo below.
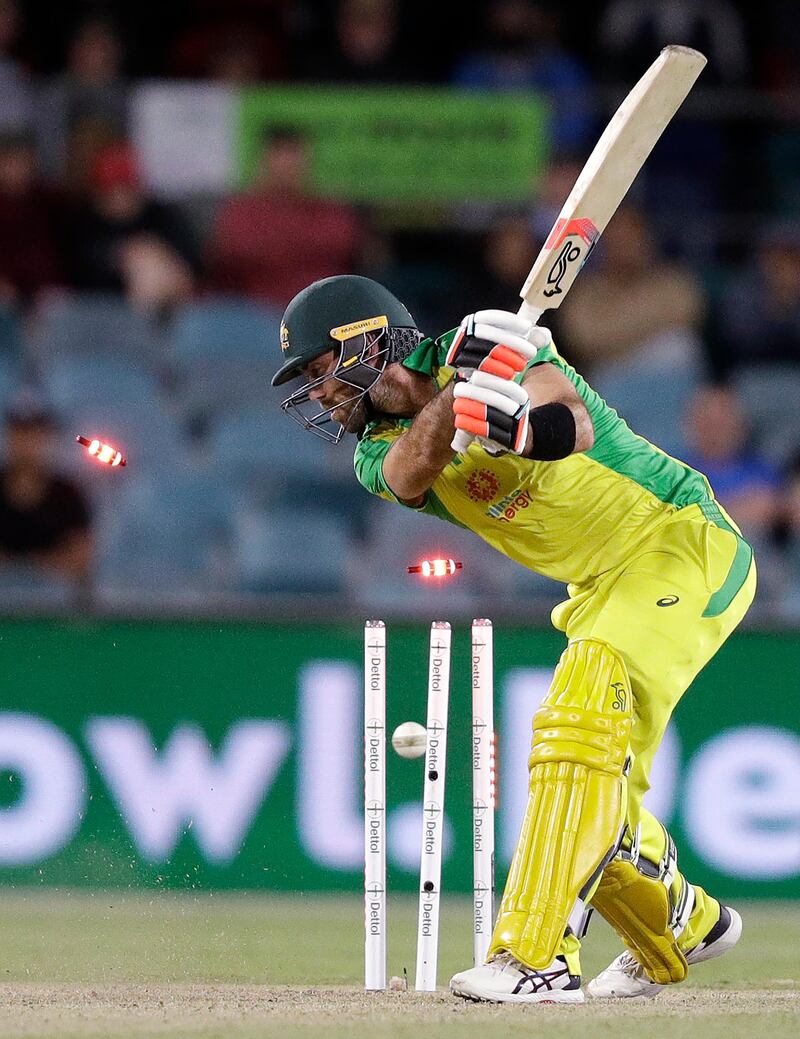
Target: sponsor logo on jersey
x,y
507,508
668,600
482,485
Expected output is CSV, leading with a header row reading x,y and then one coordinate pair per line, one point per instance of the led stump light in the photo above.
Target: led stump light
x,y
104,453
436,567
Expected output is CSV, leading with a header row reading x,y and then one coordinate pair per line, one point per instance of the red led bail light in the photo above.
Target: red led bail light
x,y
436,567
104,453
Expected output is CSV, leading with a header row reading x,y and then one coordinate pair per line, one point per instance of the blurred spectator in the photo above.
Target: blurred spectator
x,y
232,48
557,182
44,518
16,98
690,170
28,224
120,240
744,483
365,46
758,317
630,29
276,237
92,91
633,304
522,52
508,252
789,537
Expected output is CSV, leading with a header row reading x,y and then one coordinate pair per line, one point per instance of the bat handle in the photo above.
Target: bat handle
x,y
461,441
531,313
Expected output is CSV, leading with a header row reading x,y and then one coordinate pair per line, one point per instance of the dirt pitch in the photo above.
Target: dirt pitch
x,y
245,1012
200,966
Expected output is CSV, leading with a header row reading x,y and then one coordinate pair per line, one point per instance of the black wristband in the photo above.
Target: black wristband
x,y
554,433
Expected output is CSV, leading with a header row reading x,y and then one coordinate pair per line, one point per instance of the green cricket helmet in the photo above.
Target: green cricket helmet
x,y
362,321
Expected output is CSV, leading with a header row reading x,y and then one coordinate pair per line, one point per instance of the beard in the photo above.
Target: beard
x,y
356,417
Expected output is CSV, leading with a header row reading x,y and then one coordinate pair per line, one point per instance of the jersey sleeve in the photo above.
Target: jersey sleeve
x,y
368,462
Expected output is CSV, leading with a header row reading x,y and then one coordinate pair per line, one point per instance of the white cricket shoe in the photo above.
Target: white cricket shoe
x,y
625,978
505,980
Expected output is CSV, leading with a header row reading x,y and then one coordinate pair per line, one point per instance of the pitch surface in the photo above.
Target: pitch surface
x,y
125,966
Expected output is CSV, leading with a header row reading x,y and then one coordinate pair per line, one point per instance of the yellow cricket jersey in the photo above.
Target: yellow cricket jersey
x,y
571,519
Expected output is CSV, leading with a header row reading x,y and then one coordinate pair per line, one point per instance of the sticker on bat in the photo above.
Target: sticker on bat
x,y
581,227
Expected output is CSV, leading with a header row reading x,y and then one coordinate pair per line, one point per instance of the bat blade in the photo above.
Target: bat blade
x,y
608,174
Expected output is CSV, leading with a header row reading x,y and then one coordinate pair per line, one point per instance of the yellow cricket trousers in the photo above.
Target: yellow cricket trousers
x,y
667,610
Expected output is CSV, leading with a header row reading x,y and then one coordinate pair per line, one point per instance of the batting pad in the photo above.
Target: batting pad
x,y
638,898
576,806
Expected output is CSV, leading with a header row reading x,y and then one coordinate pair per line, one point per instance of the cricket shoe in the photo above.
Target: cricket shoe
x,y
625,977
505,980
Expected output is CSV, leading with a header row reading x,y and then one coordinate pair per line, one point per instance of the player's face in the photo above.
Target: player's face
x,y
331,393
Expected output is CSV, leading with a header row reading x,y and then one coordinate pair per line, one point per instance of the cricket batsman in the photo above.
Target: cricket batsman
x,y
658,577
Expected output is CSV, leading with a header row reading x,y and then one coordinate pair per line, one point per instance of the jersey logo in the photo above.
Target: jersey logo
x,y
668,600
482,485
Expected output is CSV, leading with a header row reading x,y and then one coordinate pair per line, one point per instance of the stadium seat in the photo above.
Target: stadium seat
x,y
651,397
225,329
10,333
289,551
165,535
769,396
94,324
10,379
74,383
24,587
398,538
147,434
264,441
206,389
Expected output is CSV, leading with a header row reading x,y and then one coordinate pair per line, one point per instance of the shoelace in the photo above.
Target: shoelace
x,y
629,965
503,960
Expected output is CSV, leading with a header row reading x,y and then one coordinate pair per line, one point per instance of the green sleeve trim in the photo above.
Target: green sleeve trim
x,y
739,569
622,451
429,356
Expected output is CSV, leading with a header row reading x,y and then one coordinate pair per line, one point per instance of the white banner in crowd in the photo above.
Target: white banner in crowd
x,y
185,136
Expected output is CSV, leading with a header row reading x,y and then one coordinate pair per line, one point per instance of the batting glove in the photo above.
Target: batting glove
x,y
497,342
492,408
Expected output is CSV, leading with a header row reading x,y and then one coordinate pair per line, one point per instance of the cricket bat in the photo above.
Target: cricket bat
x,y
604,181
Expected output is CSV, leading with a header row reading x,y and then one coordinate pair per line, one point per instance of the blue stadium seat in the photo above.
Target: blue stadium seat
x,y
94,324
651,400
208,388
165,536
399,537
74,383
27,587
290,552
10,333
225,329
769,396
264,441
148,435
10,379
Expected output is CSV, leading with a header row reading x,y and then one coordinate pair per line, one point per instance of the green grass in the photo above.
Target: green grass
x,y
240,966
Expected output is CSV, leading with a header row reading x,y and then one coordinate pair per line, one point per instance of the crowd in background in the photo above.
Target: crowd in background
x,y
687,317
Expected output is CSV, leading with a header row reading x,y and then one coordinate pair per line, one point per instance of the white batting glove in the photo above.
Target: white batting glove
x,y
497,342
492,408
